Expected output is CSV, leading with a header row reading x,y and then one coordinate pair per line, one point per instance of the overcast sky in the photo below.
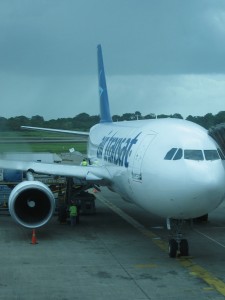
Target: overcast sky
x,y
164,56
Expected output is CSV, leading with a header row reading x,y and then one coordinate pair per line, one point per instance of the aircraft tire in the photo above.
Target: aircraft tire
x,y
173,247
184,248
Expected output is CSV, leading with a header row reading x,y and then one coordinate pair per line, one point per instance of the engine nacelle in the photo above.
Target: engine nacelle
x,y
31,204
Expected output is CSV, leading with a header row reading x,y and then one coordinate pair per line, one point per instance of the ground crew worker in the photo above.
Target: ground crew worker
x,y
84,162
73,213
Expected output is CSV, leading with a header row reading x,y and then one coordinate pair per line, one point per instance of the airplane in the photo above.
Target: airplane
x,y
169,167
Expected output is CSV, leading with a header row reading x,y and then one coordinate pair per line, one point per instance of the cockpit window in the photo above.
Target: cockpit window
x,y
179,154
221,154
211,155
170,154
193,154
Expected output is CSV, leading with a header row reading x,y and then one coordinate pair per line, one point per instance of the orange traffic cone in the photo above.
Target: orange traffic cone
x,y
34,239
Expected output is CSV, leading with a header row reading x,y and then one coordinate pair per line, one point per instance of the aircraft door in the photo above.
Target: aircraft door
x,y
138,157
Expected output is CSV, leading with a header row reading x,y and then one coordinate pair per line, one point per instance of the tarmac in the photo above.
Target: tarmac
x,y
118,253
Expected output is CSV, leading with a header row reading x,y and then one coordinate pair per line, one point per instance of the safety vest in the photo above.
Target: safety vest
x,y
84,163
73,211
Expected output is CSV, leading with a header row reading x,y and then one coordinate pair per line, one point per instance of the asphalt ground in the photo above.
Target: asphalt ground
x,y
118,253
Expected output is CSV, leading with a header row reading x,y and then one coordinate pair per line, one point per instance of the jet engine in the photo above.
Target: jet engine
x,y
31,204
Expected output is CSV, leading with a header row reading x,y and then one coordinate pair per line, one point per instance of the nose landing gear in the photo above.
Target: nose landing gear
x,y
177,245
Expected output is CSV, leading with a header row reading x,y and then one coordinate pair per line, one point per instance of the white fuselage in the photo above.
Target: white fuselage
x,y
153,164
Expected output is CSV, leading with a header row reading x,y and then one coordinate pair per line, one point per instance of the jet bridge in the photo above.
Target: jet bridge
x,y
218,134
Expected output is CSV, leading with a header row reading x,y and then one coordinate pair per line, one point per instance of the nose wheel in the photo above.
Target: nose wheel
x,y
177,245
173,247
178,248
184,248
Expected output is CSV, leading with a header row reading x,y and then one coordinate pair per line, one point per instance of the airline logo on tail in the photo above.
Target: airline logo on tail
x,y
105,115
100,91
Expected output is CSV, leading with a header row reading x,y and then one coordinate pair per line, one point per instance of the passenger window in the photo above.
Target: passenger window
x,y
179,154
170,154
193,154
211,155
221,154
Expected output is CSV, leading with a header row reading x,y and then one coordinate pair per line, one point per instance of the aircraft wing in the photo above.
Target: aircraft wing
x,y
90,173
82,133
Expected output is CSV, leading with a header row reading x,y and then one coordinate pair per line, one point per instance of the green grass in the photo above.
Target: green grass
x,y
39,147
43,147
30,133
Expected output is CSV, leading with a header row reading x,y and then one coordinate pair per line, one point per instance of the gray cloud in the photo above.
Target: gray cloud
x,y
48,54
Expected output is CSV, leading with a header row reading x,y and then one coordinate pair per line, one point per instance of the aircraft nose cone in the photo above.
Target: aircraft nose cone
x,y
206,189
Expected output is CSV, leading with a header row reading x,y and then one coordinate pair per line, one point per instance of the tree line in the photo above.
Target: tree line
x,y
84,121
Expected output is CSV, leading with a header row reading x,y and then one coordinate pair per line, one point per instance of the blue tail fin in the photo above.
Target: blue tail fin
x,y
105,115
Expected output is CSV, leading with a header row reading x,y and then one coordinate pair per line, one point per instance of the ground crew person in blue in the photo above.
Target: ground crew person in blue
x,y
73,213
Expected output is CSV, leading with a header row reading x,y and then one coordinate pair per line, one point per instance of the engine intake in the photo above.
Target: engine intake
x,y
31,204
